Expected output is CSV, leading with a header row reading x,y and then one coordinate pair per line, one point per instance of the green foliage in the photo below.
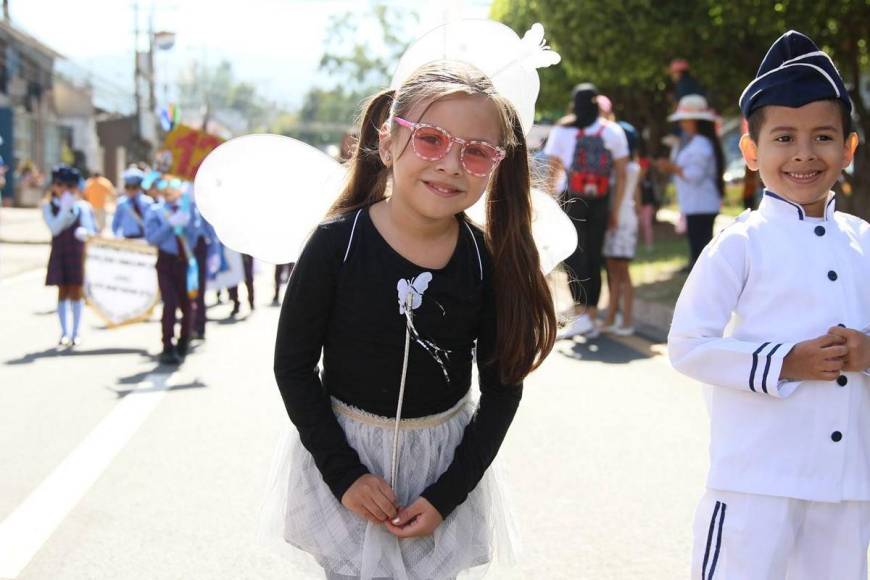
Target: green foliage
x,y
217,91
361,53
624,47
366,66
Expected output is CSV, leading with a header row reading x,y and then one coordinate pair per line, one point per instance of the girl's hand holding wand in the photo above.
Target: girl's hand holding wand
x,y
372,498
418,519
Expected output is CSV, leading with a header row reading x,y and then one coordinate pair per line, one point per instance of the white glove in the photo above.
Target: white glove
x,y
67,200
179,219
214,263
81,233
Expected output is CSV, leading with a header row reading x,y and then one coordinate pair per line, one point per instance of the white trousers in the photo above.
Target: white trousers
x,y
742,536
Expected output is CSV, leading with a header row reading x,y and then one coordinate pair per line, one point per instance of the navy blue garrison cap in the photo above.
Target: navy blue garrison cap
x,y
65,174
794,72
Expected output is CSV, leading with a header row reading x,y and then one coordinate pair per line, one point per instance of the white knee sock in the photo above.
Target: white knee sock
x,y
77,316
61,314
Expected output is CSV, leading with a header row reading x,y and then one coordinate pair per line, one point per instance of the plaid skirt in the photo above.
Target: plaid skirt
x,y
66,262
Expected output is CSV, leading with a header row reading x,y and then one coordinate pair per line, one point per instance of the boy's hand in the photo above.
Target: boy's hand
x,y
613,220
819,359
371,497
418,519
858,345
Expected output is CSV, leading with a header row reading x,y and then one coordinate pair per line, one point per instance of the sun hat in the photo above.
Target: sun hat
x,y
693,107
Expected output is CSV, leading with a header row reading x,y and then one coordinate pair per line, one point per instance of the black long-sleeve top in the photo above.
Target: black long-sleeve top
x,y
342,299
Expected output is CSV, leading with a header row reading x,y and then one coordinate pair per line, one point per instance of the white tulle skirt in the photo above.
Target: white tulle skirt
x,y
301,515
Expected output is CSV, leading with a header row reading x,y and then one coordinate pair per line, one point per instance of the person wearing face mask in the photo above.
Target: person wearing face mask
x,y
71,221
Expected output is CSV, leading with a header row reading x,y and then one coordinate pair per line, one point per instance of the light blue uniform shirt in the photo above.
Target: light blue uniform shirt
x,y
64,219
159,232
126,224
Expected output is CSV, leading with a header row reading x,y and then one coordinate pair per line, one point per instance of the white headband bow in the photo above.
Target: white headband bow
x,y
509,61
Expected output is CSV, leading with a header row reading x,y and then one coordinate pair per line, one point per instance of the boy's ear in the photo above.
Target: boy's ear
x,y
385,141
750,151
850,146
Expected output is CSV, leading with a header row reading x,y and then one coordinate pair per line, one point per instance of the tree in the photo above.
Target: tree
x,y
361,52
216,91
625,46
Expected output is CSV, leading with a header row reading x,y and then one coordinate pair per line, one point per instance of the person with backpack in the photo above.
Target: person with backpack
x,y
588,159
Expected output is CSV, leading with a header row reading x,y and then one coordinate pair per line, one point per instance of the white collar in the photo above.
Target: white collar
x,y
776,205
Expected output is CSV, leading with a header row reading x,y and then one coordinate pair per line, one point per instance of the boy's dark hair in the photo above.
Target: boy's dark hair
x,y
756,120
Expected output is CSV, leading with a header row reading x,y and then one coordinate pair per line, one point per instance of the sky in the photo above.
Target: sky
x,y
276,44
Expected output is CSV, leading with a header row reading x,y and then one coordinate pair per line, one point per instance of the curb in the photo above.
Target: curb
x,y
653,320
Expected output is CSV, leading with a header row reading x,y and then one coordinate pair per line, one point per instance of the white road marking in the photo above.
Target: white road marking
x,y
26,529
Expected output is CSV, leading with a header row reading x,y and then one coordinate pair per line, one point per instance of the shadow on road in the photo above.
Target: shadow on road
x,y
602,349
66,352
230,319
53,311
121,393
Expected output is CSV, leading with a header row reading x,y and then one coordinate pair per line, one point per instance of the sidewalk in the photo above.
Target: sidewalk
x,y
23,226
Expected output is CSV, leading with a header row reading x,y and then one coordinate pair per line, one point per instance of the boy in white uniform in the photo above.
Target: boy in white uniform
x,y
776,316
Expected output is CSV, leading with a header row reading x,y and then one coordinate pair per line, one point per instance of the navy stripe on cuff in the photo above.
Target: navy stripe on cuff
x,y
767,367
755,366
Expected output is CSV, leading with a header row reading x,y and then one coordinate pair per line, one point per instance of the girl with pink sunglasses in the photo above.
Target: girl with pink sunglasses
x,y
400,293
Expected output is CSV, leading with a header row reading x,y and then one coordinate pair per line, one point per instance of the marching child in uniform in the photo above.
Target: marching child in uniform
x,y
71,221
174,252
129,219
775,316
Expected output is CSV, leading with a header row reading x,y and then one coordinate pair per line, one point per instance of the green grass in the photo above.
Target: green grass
x,y
656,273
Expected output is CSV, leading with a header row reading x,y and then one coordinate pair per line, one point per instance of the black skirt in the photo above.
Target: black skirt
x,y
66,262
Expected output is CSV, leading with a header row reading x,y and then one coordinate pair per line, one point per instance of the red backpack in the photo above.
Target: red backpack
x,y
591,167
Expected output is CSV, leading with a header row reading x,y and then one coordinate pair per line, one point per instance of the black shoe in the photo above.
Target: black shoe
x,y
275,301
169,357
235,312
198,336
251,304
183,347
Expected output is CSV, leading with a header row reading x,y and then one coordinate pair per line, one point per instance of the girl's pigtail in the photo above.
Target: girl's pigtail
x,y
367,176
526,320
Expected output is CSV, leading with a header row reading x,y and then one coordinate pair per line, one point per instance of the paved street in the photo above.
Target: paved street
x,y
125,472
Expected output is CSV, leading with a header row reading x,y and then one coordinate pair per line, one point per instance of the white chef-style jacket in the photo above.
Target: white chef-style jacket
x,y
770,280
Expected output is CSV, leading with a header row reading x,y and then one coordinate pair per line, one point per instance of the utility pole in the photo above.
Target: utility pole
x,y
136,73
6,11
152,98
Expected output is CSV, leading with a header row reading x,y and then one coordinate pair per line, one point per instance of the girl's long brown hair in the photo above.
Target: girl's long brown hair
x,y
526,321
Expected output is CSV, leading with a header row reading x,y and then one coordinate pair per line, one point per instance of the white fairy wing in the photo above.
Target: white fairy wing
x,y
264,194
554,234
